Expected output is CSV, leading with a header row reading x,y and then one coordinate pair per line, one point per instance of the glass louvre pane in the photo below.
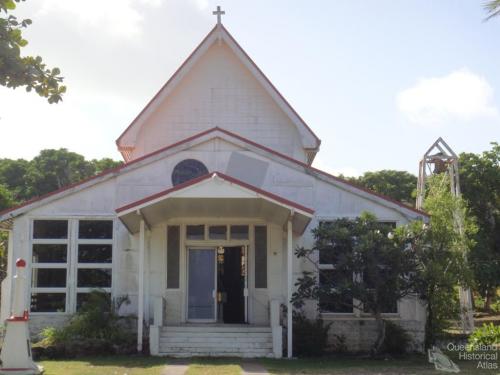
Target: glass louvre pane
x,y
95,253
239,232
95,229
48,302
173,256
50,229
94,278
217,232
50,253
48,278
261,257
340,302
82,298
195,232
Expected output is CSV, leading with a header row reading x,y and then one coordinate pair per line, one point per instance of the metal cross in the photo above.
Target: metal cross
x,y
218,13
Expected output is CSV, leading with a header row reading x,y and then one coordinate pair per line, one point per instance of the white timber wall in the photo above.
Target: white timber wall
x,y
220,91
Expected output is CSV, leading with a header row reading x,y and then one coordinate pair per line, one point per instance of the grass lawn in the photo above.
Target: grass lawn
x,y
417,365
117,365
214,367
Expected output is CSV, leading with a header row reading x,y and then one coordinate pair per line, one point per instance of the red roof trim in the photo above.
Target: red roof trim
x,y
207,176
105,172
196,136
249,59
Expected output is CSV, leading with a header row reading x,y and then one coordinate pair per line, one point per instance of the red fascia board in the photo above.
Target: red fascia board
x,y
227,178
318,141
243,139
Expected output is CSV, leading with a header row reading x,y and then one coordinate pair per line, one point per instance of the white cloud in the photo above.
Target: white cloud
x,y
118,18
201,4
458,96
326,167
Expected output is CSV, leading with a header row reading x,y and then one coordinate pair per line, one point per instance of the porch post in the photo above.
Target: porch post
x,y
289,269
140,296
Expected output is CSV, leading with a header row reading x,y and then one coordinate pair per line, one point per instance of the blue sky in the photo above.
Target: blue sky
x,y
378,81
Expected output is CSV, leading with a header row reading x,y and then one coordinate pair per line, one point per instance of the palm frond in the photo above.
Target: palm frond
x,y
492,7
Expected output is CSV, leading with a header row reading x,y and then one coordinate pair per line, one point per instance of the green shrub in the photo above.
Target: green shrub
x,y
488,334
396,341
95,329
310,336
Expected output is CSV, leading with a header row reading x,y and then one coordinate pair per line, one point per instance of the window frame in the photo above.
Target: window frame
x,y
357,312
44,265
72,265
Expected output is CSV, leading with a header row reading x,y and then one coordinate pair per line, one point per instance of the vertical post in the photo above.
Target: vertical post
x,y
289,269
140,295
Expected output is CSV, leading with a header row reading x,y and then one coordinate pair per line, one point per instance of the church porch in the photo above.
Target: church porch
x,y
213,264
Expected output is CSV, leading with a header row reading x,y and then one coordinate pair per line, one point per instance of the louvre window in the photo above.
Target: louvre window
x,y
49,266
58,256
94,257
173,256
239,232
260,256
217,232
195,232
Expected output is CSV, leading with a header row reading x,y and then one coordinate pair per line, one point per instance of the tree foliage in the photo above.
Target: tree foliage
x,y
379,270
441,250
48,171
24,71
399,185
480,184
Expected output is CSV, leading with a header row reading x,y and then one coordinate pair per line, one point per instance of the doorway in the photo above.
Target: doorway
x,y
231,284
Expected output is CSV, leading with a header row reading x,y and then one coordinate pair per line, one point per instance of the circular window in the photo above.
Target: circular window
x,y
187,170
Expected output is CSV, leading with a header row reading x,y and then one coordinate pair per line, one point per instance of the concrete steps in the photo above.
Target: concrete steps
x,y
216,341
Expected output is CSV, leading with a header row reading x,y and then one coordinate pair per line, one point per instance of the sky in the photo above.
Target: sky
x,y
377,81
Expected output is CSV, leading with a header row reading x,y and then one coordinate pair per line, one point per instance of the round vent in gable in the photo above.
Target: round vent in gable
x,y
187,170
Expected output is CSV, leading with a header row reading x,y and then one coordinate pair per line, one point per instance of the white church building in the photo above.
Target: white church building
x,y
198,227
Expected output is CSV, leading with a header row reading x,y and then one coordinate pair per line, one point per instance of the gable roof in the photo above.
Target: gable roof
x,y
211,193
198,138
219,32
162,194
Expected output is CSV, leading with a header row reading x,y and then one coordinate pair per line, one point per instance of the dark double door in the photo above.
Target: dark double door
x,y
231,269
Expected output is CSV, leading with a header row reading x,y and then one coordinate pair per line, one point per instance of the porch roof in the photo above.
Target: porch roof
x,y
214,195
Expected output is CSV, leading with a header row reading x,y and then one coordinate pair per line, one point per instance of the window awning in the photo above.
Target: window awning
x,y
214,195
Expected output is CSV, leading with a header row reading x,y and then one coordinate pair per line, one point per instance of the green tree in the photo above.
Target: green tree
x,y
372,270
6,198
399,185
54,169
12,176
24,71
441,251
492,8
480,184
101,165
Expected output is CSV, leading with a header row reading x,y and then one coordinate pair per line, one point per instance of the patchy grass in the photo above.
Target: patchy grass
x,y
136,365
223,366
417,365
113,365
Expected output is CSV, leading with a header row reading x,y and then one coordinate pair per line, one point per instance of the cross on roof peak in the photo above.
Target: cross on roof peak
x,y
218,13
